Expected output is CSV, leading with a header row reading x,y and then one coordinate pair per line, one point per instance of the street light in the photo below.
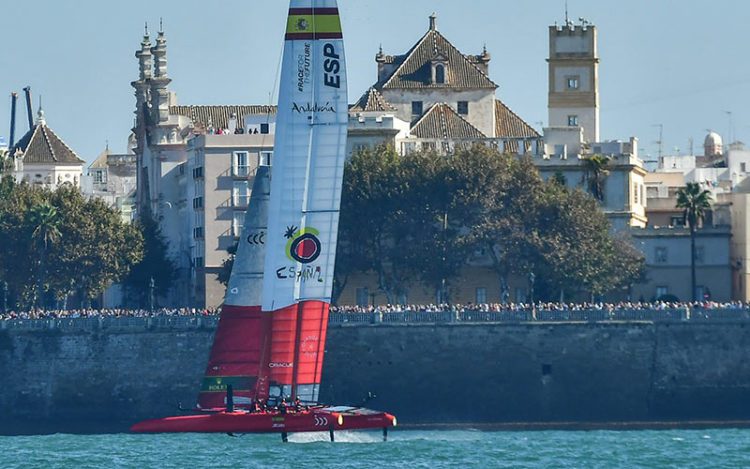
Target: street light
x,y
532,278
151,293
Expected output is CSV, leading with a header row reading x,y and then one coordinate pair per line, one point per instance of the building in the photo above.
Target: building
x,y
41,158
194,165
573,132
434,97
112,178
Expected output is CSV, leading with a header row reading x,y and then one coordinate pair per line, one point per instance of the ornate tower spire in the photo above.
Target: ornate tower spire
x,y
159,91
40,119
433,21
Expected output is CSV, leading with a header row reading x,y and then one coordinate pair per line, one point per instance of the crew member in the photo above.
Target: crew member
x,y
282,406
298,407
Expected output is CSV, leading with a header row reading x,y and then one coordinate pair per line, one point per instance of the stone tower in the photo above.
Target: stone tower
x,y
573,99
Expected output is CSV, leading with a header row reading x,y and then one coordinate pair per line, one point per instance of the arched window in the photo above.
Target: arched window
x,y
439,73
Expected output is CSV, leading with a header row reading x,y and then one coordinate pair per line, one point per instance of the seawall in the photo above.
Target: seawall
x,y
105,377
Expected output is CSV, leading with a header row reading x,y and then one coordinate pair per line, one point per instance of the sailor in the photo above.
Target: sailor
x,y
256,407
298,407
282,406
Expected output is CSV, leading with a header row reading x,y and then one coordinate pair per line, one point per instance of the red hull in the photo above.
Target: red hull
x,y
314,420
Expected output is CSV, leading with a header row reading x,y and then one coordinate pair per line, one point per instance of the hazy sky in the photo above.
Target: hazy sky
x,y
679,63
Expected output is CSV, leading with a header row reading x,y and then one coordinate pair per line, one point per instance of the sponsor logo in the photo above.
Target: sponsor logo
x,y
309,345
280,365
303,68
303,245
331,66
321,421
307,107
256,238
302,24
304,274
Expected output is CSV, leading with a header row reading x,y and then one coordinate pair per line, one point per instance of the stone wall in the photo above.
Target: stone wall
x,y
105,378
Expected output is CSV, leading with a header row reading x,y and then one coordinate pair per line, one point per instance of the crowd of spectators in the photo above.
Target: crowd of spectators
x,y
544,306
388,308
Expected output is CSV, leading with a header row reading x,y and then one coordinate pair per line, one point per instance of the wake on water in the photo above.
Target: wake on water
x,y
343,436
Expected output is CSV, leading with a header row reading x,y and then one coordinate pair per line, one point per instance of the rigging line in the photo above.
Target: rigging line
x,y
274,90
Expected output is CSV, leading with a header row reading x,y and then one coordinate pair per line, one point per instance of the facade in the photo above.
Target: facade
x,y
667,252
111,177
41,158
573,132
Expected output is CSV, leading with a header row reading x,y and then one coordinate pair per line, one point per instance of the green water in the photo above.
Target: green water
x,y
405,449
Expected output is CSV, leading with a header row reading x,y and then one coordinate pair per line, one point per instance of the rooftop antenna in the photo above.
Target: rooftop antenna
x,y
145,28
660,142
161,25
729,135
690,144
566,13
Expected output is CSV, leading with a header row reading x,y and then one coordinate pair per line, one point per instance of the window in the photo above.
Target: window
x,y
198,261
198,202
100,177
660,255
240,164
363,296
661,291
481,295
238,219
240,193
635,193
572,82
416,108
264,158
198,232
198,172
676,220
572,121
264,128
439,73
743,167
463,107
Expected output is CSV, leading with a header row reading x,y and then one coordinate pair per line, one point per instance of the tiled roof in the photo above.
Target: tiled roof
x,y
219,115
372,100
442,122
100,161
42,145
414,69
508,124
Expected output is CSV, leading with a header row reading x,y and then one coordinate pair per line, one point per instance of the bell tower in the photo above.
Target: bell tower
x,y
573,99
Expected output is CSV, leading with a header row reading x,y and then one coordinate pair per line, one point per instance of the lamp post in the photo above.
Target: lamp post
x,y
151,293
532,278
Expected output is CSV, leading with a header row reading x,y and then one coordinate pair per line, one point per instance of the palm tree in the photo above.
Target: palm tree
x,y
596,170
694,202
45,222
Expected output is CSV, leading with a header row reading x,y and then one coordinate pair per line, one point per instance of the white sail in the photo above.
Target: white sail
x,y
308,163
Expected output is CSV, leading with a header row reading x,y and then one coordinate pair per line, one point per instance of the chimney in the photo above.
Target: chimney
x,y
13,99
29,112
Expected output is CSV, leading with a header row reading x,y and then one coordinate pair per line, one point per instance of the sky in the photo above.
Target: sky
x,y
680,65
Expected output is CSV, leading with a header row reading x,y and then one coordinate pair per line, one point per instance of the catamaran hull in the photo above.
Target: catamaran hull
x,y
242,422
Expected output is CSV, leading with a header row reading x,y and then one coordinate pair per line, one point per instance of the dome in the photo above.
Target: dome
x,y
712,139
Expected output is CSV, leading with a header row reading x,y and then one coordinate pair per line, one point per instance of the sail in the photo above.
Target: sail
x,y
309,152
241,341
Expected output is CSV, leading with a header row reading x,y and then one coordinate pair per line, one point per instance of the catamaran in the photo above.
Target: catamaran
x,y
270,341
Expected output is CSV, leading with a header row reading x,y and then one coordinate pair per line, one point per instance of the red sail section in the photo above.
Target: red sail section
x,y
297,348
239,349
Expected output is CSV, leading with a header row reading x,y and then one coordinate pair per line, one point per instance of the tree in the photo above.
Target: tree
x,y
45,224
156,263
695,203
596,170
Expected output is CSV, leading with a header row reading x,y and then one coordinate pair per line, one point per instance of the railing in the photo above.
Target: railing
x,y
403,317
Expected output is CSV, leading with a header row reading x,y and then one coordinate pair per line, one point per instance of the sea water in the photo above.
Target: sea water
x,y
411,449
